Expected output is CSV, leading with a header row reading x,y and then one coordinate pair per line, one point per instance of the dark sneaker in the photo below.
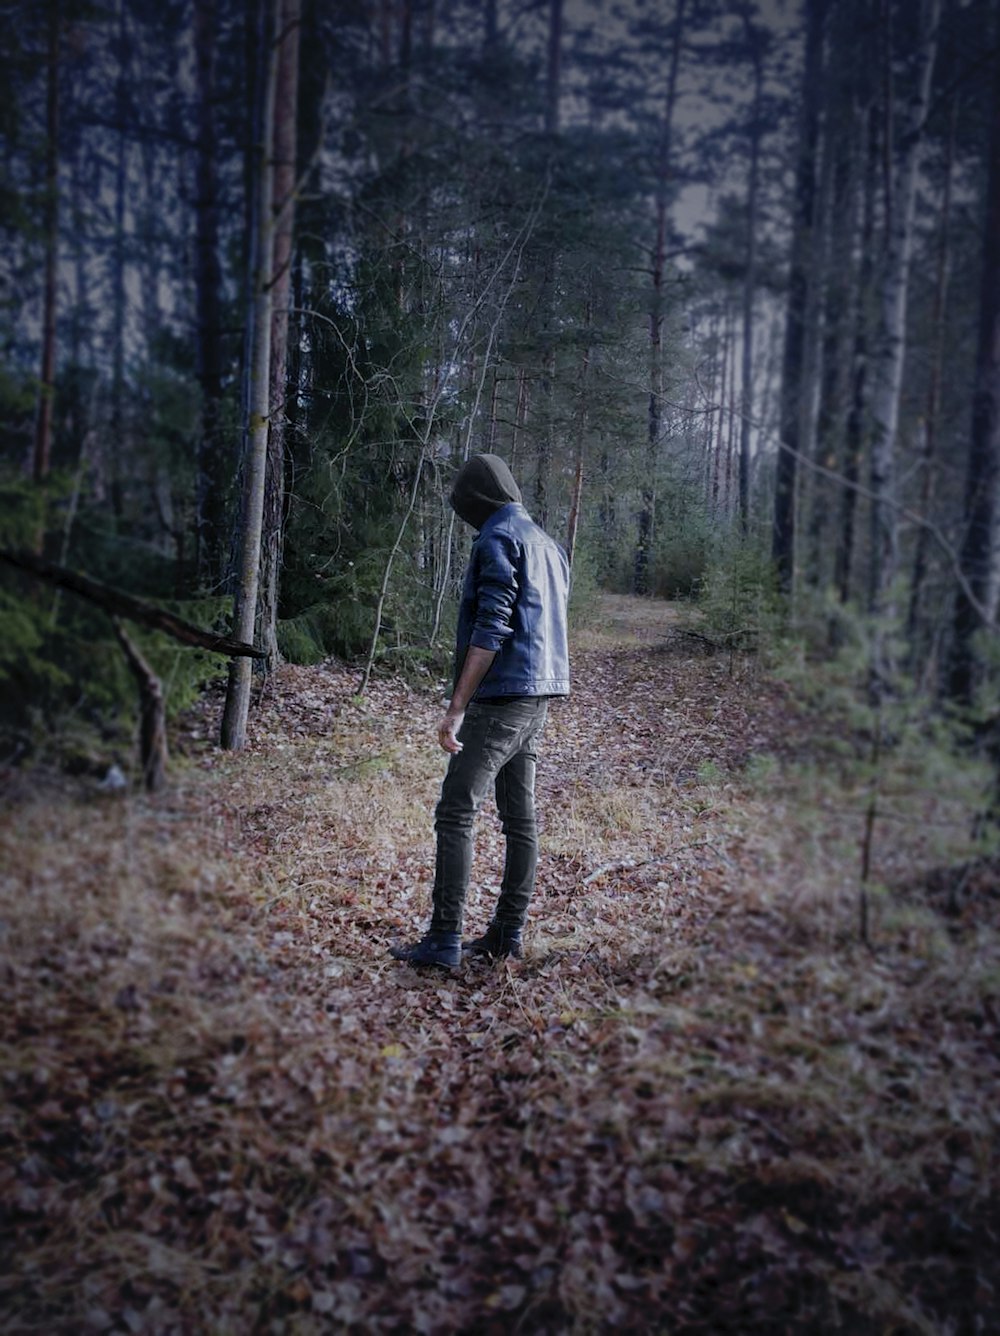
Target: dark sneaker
x,y
500,940
434,948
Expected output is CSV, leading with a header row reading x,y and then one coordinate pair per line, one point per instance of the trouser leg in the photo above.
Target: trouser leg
x,y
466,783
491,736
515,794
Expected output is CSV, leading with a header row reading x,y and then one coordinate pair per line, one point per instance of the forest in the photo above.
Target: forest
x,y
720,281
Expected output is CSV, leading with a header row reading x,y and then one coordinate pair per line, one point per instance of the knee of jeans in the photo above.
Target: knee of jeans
x,y
518,825
454,815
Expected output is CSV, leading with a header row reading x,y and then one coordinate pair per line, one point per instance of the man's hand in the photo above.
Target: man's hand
x,y
448,729
474,669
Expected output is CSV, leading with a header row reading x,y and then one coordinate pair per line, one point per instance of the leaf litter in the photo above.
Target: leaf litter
x,y
698,1105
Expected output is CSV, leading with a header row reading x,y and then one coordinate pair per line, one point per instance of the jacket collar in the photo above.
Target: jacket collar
x,y
500,514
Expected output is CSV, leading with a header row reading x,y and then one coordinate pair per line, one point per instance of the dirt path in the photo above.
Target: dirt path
x,y
696,1106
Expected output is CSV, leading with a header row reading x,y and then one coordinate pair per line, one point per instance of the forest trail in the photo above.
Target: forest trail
x,y
698,1104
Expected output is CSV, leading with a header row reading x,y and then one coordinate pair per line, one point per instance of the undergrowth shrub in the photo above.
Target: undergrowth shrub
x,y
738,599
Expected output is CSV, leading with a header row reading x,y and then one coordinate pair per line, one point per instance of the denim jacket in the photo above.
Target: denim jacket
x,y
514,602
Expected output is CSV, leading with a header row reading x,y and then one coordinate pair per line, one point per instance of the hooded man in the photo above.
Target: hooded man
x,y
511,657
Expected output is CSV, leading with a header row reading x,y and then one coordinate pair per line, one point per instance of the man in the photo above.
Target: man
x,y
511,657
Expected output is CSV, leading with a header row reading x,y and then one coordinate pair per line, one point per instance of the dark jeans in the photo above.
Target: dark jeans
x,y
499,742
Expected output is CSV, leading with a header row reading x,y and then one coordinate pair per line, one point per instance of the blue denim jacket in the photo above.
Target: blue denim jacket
x,y
514,602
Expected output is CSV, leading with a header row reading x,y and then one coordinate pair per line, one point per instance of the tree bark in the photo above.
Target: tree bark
x,y
983,473
653,417
840,192
553,80
793,389
891,347
576,497
932,404
42,452
234,721
152,713
857,416
215,462
755,39
116,432
285,175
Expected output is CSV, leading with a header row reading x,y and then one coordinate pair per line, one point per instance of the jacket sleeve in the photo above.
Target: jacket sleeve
x,y
496,593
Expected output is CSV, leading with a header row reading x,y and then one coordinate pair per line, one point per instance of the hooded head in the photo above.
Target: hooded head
x,y
483,485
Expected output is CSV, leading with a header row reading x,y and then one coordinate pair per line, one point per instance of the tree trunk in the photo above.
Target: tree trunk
x,y
932,407
117,424
42,453
857,416
581,435
552,93
285,157
793,389
214,461
754,38
891,347
984,457
152,713
237,706
645,525
839,208
553,78
520,416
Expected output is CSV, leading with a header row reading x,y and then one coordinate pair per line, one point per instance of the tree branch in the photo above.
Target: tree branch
x,y
120,604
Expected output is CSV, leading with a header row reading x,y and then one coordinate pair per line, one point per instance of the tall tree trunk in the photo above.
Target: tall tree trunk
x,y
520,416
552,94
215,463
42,452
932,406
285,157
793,390
841,192
576,498
117,423
715,453
653,416
553,80
983,472
891,346
234,721
755,39
857,416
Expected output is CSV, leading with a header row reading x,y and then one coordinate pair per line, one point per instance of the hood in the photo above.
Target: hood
x,y
483,485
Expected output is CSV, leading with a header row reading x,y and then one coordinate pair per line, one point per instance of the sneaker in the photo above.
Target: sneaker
x,y
500,940
434,948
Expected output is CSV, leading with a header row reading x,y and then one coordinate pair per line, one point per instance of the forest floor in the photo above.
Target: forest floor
x,y
700,1104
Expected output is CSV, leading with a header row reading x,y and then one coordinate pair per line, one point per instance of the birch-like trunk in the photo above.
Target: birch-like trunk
x,y
755,39
890,349
234,720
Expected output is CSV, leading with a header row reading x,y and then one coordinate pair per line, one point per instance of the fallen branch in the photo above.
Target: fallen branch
x,y
631,865
152,714
120,604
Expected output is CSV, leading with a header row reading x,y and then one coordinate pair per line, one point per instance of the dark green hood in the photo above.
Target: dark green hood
x,y
483,485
